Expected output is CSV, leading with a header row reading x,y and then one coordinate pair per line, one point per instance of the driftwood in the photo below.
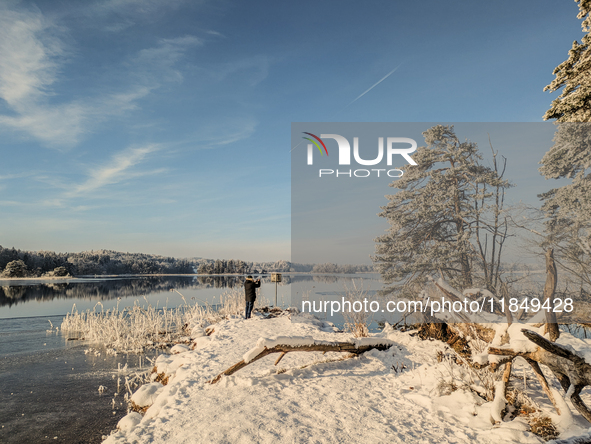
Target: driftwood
x,y
347,347
544,383
569,368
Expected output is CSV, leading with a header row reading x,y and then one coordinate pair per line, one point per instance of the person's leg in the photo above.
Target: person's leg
x,y
249,306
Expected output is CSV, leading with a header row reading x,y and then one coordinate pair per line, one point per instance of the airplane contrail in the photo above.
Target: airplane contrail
x,y
362,94
374,85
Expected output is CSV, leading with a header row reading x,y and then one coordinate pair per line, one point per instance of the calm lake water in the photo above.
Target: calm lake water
x,y
50,387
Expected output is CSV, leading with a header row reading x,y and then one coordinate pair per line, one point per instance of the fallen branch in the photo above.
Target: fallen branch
x,y
346,347
544,383
555,349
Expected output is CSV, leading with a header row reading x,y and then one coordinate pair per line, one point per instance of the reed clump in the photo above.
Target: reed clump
x,y
142,326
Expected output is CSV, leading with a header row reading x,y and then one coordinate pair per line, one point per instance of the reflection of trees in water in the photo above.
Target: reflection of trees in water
x,y
13,292
327,279
213,281
330,278
99,290
105,289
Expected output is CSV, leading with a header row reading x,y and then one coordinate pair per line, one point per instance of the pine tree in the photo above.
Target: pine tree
x,y
568,208
574,74
437,217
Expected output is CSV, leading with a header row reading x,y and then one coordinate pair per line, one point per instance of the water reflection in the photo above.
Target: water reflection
x,y
101,289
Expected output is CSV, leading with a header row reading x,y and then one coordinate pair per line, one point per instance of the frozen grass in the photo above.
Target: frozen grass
x,y
357,322
140,327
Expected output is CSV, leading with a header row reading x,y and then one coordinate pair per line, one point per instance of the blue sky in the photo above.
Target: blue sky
x,y
163,126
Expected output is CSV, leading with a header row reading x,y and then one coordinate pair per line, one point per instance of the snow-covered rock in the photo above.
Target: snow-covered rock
x,y
129,421
147,394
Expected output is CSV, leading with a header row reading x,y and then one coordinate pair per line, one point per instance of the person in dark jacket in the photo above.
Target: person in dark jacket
x,y
250,293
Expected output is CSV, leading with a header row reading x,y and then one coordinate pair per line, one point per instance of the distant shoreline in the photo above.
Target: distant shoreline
x,y
111,276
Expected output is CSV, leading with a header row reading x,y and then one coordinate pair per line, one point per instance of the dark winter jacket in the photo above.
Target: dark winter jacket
x,y
250,291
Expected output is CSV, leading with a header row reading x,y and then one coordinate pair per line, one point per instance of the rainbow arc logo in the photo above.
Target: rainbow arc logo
x,y
315,143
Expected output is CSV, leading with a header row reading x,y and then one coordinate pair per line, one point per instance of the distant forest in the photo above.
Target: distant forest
x,y
18,263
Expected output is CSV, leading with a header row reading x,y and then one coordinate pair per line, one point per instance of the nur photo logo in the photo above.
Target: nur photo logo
x,y
393,147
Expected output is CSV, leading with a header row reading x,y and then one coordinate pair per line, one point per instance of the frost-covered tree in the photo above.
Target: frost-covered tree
x,y
568,208
15,269
445,218
574,74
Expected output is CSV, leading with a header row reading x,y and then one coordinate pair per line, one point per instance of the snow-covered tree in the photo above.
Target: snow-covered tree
x,y
445,218
574,74
568,208
15,269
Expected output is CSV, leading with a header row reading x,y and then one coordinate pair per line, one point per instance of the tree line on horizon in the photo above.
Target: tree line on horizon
x,y
19,263
220,266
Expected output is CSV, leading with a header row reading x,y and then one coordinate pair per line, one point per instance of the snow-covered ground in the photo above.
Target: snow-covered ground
x,y
309,397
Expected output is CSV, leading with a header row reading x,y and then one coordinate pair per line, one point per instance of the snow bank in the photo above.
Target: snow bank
x,y
147,394
387,396
129,421
201,341
179,348
169,364
580,439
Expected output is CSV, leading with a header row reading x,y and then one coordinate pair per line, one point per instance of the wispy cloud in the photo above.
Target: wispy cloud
x,y
252,69
123,14
32,57
120,168
29,54
136,7
162,57
61,125
15,175
232,131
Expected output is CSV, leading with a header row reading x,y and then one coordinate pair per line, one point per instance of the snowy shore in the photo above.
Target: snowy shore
x,y
381,396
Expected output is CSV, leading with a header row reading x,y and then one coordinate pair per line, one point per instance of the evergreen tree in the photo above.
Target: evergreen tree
x,y
568,208
574,74
437,217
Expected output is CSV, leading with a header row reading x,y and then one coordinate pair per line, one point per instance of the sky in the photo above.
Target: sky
x,y
163,126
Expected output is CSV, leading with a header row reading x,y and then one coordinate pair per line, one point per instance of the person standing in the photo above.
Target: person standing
x,y
250,293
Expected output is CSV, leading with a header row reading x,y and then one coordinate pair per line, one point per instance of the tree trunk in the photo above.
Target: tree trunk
x,y
549,290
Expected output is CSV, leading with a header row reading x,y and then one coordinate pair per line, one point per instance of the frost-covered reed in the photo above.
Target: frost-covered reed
x,y
357,322
142,326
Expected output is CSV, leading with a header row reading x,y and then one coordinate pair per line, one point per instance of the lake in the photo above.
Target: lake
x,y
50,386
